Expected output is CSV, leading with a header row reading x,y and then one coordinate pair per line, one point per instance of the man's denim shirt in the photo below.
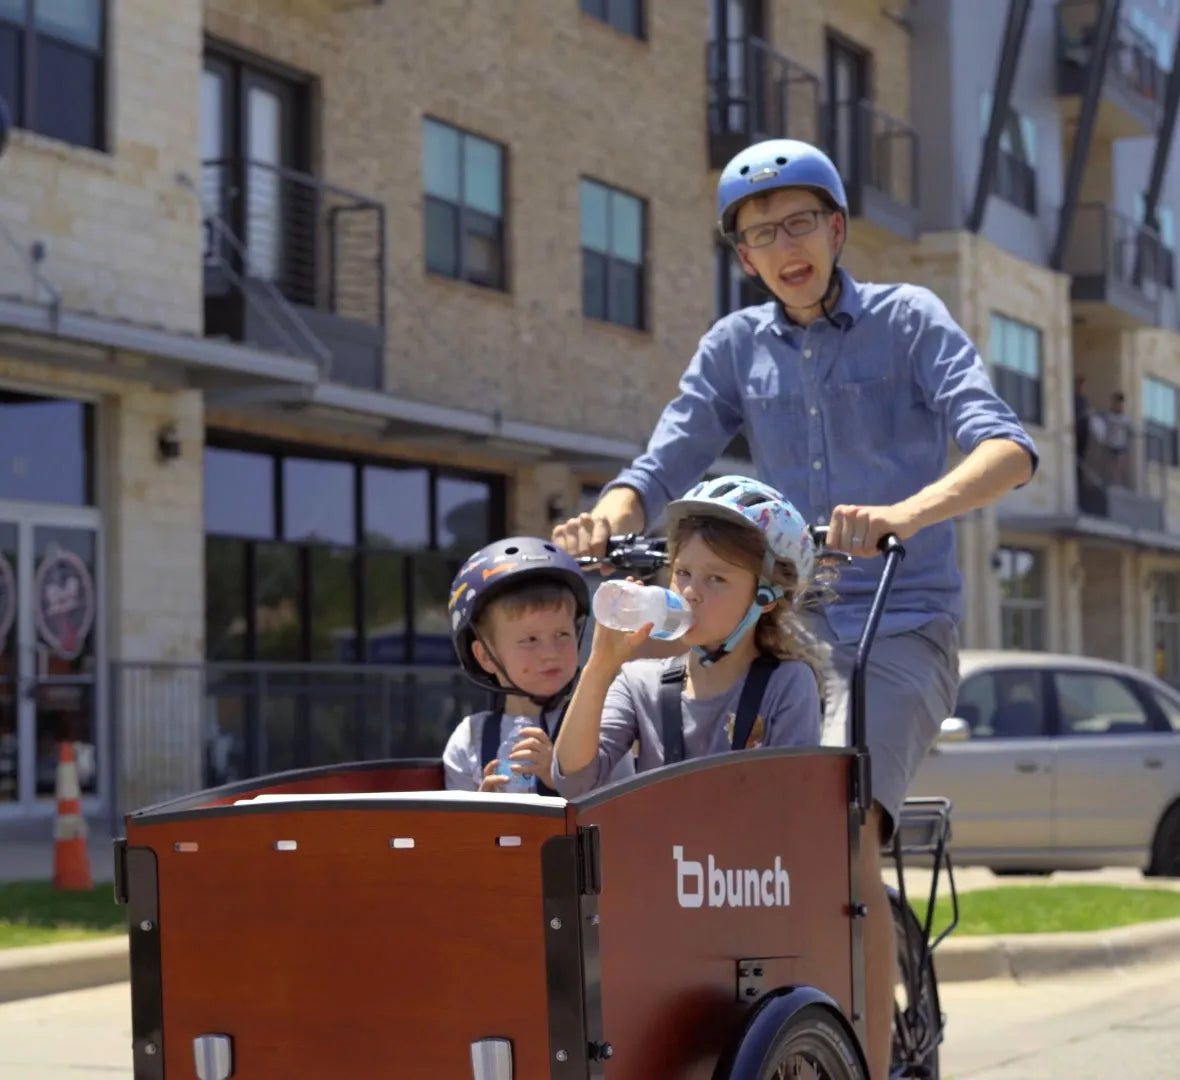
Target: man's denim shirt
x,y
857,412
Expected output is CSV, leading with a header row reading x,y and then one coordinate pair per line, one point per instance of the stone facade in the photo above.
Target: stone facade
x,y
121,235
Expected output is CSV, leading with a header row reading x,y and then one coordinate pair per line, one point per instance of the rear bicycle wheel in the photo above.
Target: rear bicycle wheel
x,y
917,1015
811,1045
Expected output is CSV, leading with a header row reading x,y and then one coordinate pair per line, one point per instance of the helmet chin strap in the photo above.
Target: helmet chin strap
x,y
767,593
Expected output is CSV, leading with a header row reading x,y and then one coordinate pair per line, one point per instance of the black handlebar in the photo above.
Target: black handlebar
x,y
645,555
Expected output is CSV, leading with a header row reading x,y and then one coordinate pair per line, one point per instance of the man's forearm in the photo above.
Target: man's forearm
x,y
991,470
623,508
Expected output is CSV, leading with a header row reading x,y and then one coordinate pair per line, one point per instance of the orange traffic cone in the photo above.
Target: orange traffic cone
x,y
71,861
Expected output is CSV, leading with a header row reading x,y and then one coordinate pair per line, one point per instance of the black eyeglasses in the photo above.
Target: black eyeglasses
x,y
800,223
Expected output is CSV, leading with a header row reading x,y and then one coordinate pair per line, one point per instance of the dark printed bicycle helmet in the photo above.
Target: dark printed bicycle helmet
x,y
491,570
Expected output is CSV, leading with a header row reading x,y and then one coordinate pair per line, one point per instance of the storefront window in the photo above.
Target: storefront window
x,y
363,570
46,450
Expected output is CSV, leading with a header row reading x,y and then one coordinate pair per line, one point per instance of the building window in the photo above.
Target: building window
x,y
255,139
1160,409
463,179
849,119
53,68
1159,263
335,560
1016,168
1016,366
1165,626
626,16
47,450
734,289
613,241
1022,598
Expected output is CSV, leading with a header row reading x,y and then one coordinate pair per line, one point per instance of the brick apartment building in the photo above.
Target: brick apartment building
x,y
302,300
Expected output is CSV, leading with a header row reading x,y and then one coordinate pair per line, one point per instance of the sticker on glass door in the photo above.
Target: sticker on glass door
x,y
64,606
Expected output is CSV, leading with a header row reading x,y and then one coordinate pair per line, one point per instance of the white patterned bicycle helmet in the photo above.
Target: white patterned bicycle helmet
x,y
752,503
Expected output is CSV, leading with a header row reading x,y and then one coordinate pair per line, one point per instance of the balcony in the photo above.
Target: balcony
x,y
1120,269
877,156
1129,488
295,265
756,93
1133,89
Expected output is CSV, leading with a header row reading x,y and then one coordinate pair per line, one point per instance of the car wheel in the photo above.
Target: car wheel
x,y
1165,852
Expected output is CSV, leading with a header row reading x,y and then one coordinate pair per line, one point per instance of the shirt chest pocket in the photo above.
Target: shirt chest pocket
x,y
777,426
874,410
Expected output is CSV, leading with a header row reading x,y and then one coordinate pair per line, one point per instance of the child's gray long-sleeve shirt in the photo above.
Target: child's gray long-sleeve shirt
x,y
790,715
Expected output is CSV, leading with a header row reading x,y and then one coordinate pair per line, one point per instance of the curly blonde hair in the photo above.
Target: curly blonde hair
x,y
780,632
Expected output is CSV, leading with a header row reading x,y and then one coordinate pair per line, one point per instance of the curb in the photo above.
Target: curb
x,y
1032,956
34,970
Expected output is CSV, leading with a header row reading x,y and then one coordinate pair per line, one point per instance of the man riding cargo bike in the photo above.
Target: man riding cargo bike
x,y
848,395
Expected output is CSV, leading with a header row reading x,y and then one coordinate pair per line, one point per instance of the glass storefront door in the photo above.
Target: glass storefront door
x,y
50,654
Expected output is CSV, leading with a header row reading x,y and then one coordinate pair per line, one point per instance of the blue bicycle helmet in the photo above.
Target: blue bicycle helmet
x,y
493,569
771,165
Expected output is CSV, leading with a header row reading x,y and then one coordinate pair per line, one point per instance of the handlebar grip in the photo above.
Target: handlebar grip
x,y
889,542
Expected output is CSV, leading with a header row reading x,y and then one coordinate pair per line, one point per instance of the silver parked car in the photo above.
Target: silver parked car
x,y
1059,763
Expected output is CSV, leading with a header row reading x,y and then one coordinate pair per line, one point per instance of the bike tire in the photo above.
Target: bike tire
x,y
815,1037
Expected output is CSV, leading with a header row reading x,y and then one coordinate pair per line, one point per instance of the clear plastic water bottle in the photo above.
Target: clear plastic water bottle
x,y
626,605
519,782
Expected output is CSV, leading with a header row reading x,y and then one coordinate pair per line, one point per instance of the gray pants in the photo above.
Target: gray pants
x,y
910,688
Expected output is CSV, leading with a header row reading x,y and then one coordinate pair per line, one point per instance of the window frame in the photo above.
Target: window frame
x,y
24,109
467,213
726,268
610,258
1161,441
360,550
1028,611
1015,179
589,8
1024,393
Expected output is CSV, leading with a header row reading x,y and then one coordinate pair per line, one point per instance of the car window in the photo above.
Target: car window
x,y
1003,704
1093,703
1170,704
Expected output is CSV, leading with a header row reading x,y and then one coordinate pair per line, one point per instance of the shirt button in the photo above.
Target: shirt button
x,y
813,410
807,353
817,465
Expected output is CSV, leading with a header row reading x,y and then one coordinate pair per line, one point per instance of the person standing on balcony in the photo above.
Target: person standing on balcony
x,y
848,394
1115,435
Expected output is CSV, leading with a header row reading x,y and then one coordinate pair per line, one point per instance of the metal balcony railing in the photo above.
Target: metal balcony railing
x,y
323,247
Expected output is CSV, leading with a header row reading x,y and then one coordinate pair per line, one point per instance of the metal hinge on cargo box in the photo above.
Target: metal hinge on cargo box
x,y
589,861
749,980
121,871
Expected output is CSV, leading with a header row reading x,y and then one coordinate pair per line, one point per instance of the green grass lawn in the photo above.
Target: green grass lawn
x,y
34,913
1035,909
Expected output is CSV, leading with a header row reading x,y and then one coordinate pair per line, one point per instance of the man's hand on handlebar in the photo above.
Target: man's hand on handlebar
x,y
858,530
584,535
